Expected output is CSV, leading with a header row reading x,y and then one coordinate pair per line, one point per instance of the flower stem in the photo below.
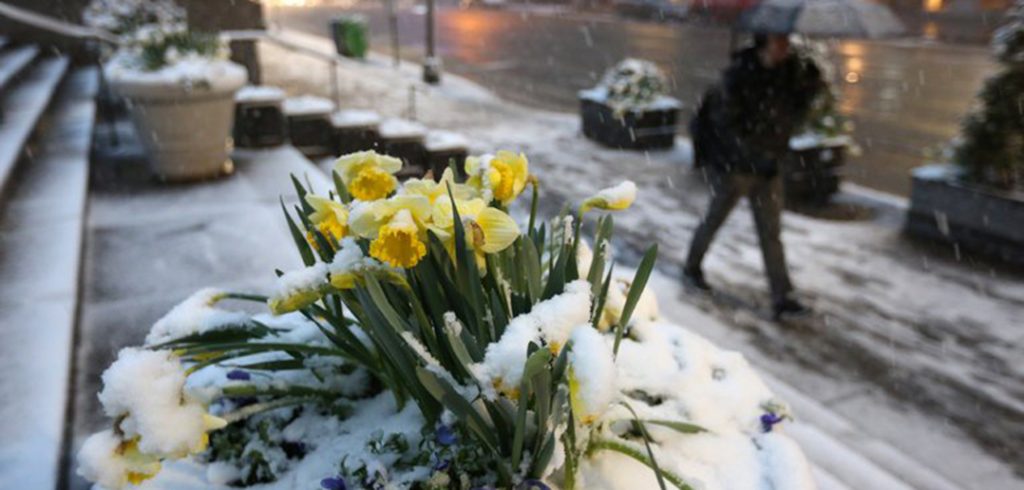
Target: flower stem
x,y
632,452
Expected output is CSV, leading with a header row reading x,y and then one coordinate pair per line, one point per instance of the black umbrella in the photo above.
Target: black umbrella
x,y
821,18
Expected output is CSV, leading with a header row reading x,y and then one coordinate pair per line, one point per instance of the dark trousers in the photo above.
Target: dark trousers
x,y
765,196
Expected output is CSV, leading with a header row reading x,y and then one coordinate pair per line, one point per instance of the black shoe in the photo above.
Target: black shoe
x,y
694,278
789,308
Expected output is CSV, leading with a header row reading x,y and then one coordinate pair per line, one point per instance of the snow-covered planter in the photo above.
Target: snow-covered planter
x,y
813,169
946,206
977,201
178,84
629,109
259,117
432,342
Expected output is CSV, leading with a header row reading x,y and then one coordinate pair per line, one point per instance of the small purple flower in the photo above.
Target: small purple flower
x,y
333,483
238,375
768,420
445,436
533,485
442,465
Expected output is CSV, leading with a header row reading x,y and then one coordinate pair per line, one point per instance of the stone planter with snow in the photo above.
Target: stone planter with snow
x,y
977,218
652,126
444,150
259,117
403,139
183,114
355,130
813,168
309,124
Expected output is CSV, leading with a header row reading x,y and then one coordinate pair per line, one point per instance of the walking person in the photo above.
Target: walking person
x,y
740,133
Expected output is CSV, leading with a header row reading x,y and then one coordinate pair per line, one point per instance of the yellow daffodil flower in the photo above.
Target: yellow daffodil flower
x,y
399,243
501,177
367,175
138,467
488,230
210,423
329,217
432,190
612,198
366,218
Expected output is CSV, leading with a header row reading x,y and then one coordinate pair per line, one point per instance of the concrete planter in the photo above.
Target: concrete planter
x,y
812,170
259,118
977,218
184,125
649,128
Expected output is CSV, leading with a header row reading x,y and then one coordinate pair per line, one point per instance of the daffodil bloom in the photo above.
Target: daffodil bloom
x,y
367,175
501,177
488,230
399,243
591,373
114,463
612,198
432,190
366,218
329,217
298,289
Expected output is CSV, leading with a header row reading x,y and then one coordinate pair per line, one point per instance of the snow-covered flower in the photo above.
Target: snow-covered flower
x,y
113,463
144,392
329,217
299,288
488,230
592,382
500,177
350,267
614,198
646,308
367,175
196,314
550,321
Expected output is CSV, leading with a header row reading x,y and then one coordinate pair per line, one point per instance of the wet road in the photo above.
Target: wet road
x,y
904,97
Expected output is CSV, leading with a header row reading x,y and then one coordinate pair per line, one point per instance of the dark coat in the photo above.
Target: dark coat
x,y
745,122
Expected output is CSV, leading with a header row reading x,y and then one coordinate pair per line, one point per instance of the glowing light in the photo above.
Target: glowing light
x,y
932,5
852,77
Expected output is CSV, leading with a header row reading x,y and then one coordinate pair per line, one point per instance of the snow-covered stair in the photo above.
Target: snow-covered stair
x,y
24,99
41,221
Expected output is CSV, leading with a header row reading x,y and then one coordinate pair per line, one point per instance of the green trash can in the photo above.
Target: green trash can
x,y
349,32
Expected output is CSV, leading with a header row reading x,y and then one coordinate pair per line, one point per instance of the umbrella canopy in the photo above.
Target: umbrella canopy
x,y
822,18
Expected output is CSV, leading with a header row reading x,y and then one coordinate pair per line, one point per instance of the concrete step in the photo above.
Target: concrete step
x,y
41,226
847,456
14,61
23,104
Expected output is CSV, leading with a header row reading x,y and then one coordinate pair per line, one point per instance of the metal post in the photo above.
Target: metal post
x,y
335,92
431,64
393,27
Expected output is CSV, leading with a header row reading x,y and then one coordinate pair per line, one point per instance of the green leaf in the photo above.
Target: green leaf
x,y
681,427
636,288
300,240
340,188
301,192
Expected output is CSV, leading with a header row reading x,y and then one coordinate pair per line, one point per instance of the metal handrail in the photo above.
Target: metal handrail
x,y
56,26
333,60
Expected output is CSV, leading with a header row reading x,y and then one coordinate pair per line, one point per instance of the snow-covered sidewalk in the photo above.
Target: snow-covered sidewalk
x,y
896,323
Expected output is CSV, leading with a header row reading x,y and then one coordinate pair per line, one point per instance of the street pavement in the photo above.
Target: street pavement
x,y
905,97
919,345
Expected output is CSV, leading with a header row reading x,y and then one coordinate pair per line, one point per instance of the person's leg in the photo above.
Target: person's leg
x,y
766,203
724,194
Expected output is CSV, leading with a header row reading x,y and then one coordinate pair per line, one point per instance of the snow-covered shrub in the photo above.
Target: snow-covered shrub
x,y
125,16
824,119
430,341
153,35
991,148
633,84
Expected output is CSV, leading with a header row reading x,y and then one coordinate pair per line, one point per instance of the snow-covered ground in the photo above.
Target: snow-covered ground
x,y
891,315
